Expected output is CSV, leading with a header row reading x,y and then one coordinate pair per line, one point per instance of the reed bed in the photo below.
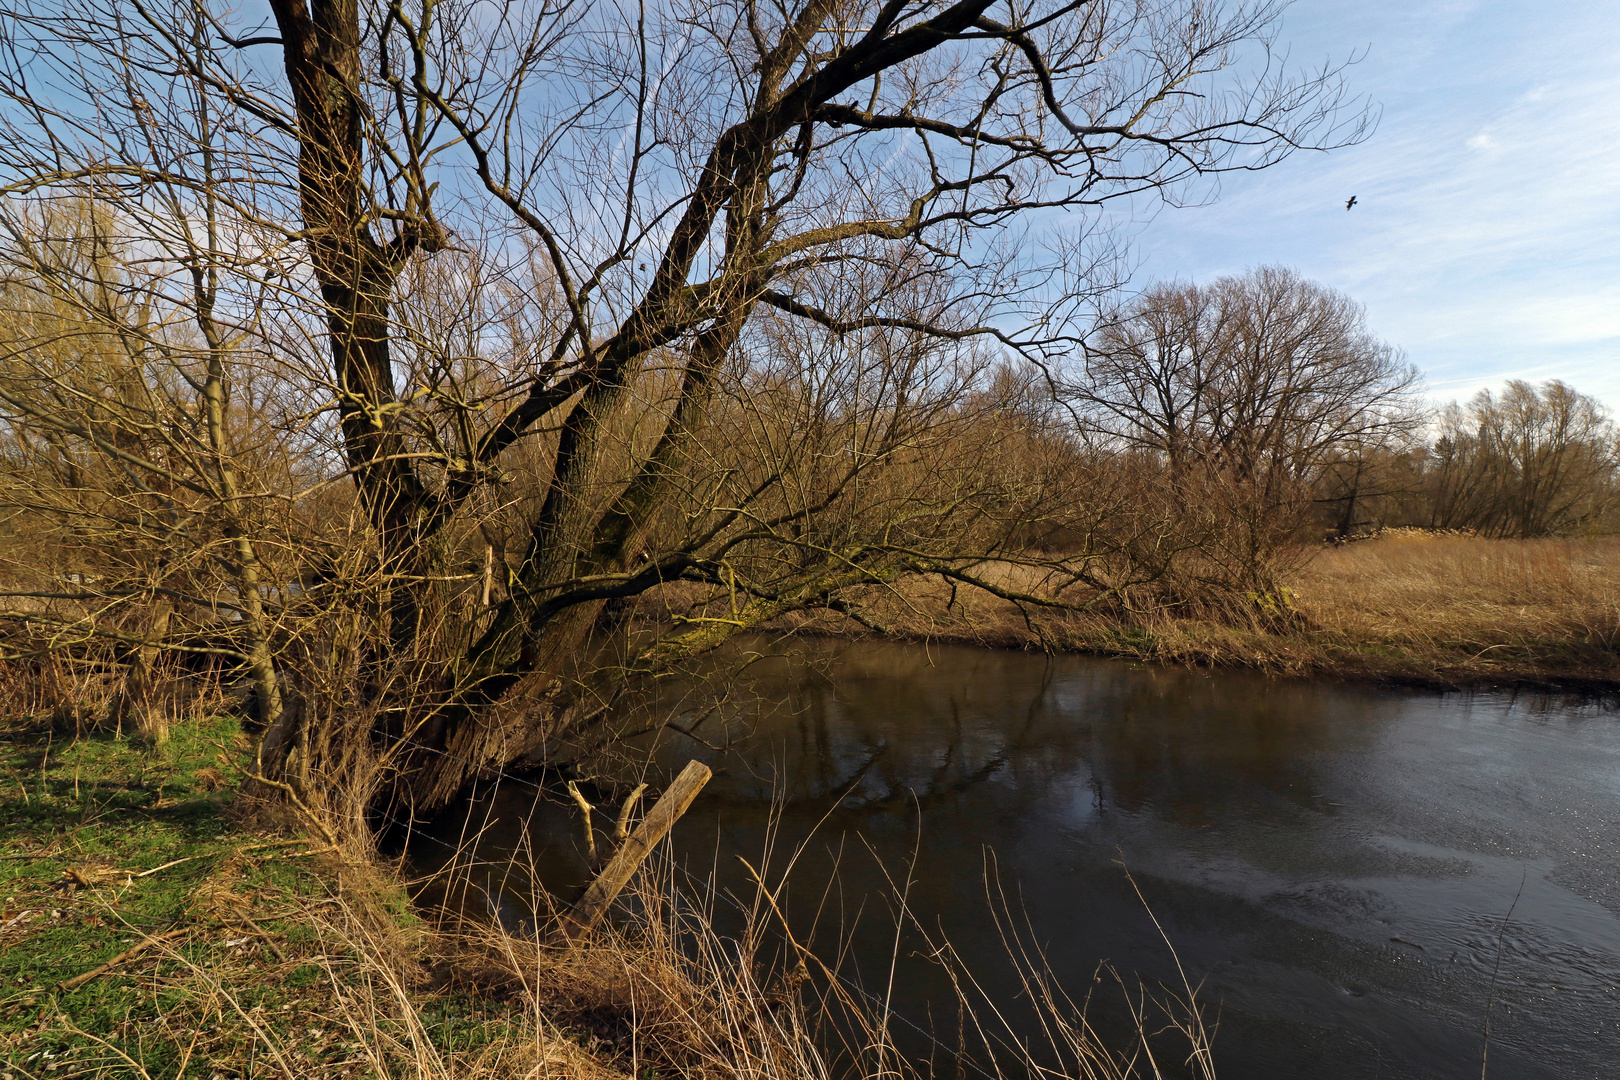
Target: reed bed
x,y
1465,610
1464,591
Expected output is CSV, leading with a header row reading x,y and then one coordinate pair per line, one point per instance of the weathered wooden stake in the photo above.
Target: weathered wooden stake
x,y
585,811
599,895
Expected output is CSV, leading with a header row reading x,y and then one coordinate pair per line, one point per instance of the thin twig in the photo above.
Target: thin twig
x,y
165,866
124,957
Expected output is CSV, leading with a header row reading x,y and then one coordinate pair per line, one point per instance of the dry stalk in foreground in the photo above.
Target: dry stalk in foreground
x,y
664,989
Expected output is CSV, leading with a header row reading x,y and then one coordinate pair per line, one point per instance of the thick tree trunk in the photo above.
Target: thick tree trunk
x,y
357,274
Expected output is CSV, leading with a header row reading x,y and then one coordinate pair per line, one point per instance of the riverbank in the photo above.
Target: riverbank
x,y
1407,609
157,924
160,923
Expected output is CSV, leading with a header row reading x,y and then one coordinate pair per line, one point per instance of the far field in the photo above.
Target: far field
x,y
1407,607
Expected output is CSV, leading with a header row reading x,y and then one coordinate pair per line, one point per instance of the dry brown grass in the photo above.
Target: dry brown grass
x,y
1462,608
1407,607
1456,588
662,992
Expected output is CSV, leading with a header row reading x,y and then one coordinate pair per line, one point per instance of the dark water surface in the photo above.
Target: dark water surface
x,y
1334,864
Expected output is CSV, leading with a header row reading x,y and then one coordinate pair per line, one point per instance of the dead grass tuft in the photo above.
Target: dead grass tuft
x,y
662,992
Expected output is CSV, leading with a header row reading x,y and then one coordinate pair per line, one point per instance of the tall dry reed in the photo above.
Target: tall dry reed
x,y
662,992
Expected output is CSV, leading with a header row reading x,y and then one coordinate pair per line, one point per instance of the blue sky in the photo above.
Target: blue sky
x,y
1486,236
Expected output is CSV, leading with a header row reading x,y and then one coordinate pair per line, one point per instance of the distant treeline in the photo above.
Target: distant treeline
x,y
1254,416
1528,462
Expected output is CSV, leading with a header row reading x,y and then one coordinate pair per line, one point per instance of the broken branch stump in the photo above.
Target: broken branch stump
x,y
602,891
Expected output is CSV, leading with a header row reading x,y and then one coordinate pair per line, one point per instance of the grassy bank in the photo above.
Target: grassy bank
x,y
157,924
1406,608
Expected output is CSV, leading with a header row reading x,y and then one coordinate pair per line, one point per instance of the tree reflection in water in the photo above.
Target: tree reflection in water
x,y
1315,852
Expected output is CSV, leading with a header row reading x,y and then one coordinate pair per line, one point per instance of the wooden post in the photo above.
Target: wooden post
x,y
599,895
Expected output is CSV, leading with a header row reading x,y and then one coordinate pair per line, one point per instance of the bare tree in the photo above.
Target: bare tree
x,y
123,459
1244,393
1534,461
525,270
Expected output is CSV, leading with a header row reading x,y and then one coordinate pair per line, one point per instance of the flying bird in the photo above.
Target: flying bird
x,y
1351,203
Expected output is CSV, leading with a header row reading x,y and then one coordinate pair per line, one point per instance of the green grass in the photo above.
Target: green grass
x,y
254,967
82,820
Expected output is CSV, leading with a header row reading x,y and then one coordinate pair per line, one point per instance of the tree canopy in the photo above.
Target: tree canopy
x,y
578,301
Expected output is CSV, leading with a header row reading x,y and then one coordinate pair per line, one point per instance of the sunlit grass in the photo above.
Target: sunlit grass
x,y
1407,607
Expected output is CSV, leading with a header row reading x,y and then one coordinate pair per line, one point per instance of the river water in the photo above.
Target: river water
x,y
1335,866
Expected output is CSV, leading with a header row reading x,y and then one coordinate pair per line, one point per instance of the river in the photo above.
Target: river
x,y
1335,866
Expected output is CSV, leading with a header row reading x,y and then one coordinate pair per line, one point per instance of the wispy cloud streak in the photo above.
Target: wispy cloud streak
x,y
1486,235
